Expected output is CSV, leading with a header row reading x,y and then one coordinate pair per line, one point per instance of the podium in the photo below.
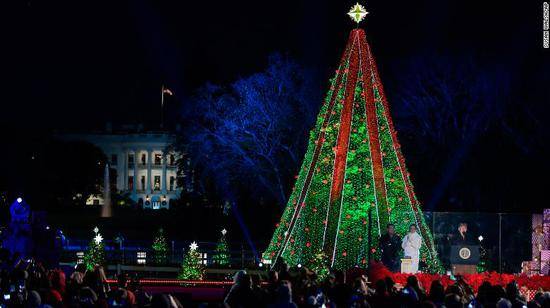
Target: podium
x,y
464,259
406,266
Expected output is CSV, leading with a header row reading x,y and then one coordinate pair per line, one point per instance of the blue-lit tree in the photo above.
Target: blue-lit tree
x,y
252,131
446,99
451,109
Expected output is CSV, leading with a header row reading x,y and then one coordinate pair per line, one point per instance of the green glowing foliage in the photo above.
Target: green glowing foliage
x,y
320,265
95,254
484,261
221,256
160,248
345,222
192,267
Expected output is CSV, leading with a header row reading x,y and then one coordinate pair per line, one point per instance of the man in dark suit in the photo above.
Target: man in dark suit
x,y
390,245
462,237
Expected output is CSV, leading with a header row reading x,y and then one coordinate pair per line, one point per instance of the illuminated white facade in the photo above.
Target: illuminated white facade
x,y
145,169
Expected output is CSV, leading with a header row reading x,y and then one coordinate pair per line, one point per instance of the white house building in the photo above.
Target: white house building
x,y
145,168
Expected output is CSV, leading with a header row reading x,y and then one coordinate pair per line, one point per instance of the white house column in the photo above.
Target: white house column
x,y
149,175
135,167
123,167
163,177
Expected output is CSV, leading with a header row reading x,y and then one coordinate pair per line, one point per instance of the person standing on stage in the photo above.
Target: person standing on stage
x,y
389,246
411,246
462,237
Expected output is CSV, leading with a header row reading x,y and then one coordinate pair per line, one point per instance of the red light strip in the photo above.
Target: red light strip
x,y
342,145
317,152
178,282
345,125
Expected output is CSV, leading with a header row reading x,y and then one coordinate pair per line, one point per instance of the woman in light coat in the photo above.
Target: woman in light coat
x,y
411,246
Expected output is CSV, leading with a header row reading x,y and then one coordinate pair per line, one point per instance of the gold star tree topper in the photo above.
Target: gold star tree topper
x,y
357,13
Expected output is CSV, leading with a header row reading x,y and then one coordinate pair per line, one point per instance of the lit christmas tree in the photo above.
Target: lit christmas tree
x,y
192,267
353,180
95,255
160,248
484,260
221,256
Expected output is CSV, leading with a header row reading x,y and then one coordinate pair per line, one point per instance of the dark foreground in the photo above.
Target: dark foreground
x,y
26,283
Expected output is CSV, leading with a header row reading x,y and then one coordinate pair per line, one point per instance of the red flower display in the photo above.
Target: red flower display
x,y
528,284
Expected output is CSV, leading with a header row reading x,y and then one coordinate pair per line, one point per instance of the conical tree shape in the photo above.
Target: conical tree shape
x,y
353,165
160,248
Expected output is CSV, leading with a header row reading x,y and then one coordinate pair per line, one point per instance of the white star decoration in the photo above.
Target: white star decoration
x,y
96,230
224,232
98,239
357,13
193,246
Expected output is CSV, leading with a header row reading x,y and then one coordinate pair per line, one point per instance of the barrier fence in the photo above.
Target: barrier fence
x,y
505,240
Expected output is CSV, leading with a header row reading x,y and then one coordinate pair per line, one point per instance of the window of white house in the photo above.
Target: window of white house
x,y
157,182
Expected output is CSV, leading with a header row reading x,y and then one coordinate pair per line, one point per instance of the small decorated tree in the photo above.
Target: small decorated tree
x,y
221,256
95,255
160,248
484,261
192,267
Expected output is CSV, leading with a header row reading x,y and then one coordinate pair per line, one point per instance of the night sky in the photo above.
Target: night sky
x,y
77,64
74,65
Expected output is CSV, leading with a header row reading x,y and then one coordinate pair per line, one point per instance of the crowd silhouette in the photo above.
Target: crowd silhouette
x,y
27,283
